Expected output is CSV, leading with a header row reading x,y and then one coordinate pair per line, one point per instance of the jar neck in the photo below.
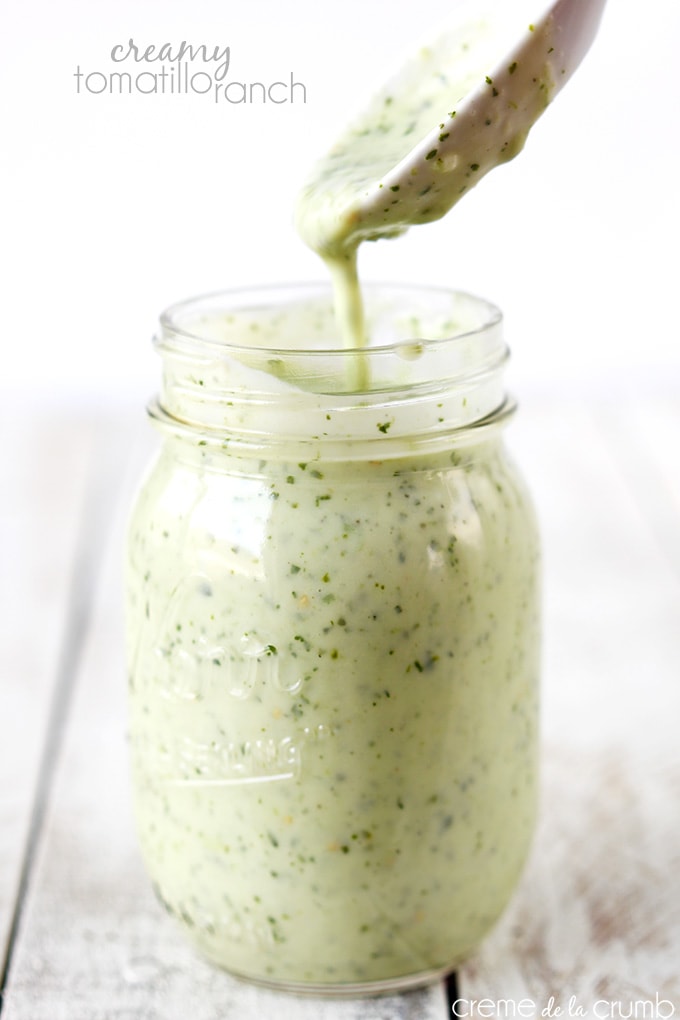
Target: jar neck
x,y
262,370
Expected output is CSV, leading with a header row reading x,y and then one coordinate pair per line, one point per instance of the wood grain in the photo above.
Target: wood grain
x,y
45,475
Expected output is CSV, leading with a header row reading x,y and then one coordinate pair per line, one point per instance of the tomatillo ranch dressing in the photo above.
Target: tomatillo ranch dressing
x,y
333,583
460,108
391,171
333,634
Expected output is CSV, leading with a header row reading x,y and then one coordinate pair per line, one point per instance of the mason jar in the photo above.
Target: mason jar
x,y
333,633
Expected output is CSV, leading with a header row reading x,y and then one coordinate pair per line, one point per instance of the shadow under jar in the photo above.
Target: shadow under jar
x,y
333,636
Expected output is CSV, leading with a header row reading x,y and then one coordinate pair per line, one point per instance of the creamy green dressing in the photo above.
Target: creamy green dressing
x,y
334,706
334,640
333,634
424,141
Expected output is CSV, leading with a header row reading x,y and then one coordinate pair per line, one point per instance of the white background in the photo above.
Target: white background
x,y
115,206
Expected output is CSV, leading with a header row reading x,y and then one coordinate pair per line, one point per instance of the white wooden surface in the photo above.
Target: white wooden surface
x,y
44,482
597,917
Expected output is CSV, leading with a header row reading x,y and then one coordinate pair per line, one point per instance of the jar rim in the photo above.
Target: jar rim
x,y
233,363
176,335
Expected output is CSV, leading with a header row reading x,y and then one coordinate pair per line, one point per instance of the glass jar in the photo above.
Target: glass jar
x,y
333,623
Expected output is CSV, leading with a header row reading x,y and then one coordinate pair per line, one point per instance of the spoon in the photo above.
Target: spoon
x,y
451,115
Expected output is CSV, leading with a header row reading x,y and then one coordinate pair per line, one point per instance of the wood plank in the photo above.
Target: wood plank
x,y
95,945
611,595
45,468
598,912
646,443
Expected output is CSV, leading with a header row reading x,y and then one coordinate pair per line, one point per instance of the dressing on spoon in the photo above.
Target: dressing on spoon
x,y
456,111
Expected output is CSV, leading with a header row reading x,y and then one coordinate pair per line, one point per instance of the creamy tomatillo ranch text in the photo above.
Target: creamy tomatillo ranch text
x,y
184,69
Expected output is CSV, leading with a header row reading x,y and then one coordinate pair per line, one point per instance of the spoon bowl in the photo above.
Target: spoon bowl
x,y
464,106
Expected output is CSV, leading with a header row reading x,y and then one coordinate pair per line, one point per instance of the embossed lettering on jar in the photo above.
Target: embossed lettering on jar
x,y
333,638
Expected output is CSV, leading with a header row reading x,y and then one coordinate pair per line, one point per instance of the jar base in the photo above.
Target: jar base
x,y
348,990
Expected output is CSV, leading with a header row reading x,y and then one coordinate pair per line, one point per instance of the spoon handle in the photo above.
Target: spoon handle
x,y
573,29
